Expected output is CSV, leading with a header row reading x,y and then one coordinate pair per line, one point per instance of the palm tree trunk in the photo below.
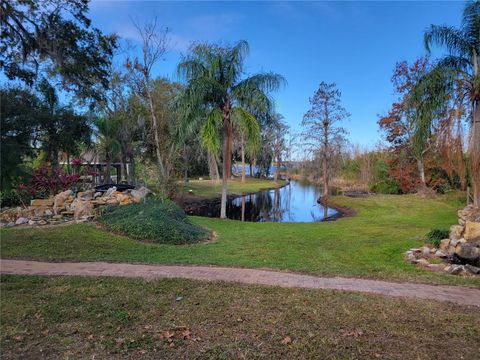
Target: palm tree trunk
x,y
225,166
243,159
475,154
106,178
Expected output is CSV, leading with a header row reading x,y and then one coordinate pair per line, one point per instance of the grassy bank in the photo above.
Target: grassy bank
x,y
369,244
209,189
121,318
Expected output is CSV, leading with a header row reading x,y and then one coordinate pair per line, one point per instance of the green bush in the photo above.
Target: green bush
x,y
389,186
157,221
13,198
434,236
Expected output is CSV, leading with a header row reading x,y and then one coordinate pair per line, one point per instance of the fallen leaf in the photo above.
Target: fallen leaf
x,y
169,334
45,332
186,334
18,338
286,340
172,344
90,337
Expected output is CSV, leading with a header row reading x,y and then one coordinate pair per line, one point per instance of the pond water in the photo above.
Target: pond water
x,y
295,202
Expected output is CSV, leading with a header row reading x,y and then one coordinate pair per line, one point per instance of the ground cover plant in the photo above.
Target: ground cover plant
x,y
59,317
155,221
369,244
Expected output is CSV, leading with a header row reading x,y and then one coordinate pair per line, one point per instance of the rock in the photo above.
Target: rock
x,y
82,209
57,217
455,269
456,232
472,269
454,242
31,222
436,266
472,231
451,250
42,202
21,221
411,258
423,262
97,194
468,253
440,254
86,195
48,212
60,199
110,191
425,250
444,244
140,194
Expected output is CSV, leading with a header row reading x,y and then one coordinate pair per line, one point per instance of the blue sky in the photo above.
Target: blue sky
x,y
354,44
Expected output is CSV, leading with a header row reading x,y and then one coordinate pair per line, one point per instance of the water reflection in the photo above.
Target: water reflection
x,y
296,202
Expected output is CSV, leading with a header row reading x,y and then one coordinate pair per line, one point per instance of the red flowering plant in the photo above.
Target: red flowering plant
x,y
45,183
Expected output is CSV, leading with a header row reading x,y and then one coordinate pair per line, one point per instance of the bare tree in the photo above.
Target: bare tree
x,y
321,125
155,45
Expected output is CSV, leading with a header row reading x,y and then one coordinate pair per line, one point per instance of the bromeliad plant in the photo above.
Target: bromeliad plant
x,y
218,98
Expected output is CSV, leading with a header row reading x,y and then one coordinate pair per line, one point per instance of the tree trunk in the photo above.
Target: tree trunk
x,y
325,174
475,154
243,160
124,165
212,167
106,177
251,169
157,140
131,172
421,173
54,159
225,166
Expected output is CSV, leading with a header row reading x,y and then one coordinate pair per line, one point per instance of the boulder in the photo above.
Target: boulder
x,y
140,194
441,254
444,244
425,250
110,191
60,199
42,202
472,269
468,253
10,215
423,262
86,195
82,209
454,269
456,232
472,231
21,221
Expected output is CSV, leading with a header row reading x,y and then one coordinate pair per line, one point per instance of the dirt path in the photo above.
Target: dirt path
x,y
457,294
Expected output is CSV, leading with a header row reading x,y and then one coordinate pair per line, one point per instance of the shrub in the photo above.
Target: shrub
x,y
157,221
434,236
14,198
45,183
389,186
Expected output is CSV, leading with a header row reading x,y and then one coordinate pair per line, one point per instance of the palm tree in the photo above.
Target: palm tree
x,y
215,87
461,65
107,132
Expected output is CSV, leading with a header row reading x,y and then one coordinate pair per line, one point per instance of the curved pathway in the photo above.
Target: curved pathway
x,y
457,294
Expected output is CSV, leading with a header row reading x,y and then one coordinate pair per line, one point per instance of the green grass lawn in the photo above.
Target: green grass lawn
x,y
59,317
370,244
208,189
